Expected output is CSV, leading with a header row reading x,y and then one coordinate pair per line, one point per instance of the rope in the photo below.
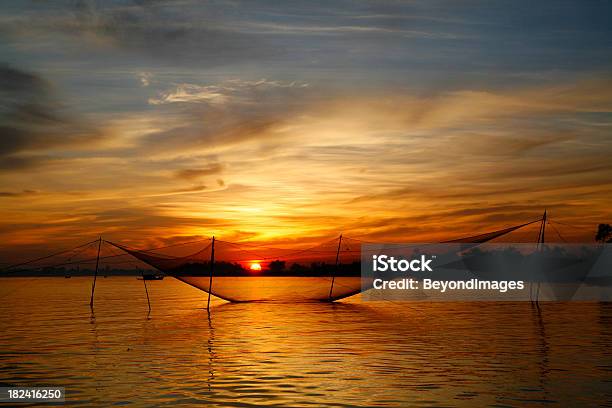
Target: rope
x,y
112,249
572,226
164,247
299,251
77,253
49,256
558,233
83,261
362,241
166,257
144,281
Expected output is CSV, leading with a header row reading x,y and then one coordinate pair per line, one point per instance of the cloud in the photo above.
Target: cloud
x,y
209,117
193,189
19,162
32,120
210,133
190,93
190,174
471,109
15,82
153,29
145,78
234,91
382,163
302,29
394,119
22,193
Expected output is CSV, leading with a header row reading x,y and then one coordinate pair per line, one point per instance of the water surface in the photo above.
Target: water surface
x,y
351,353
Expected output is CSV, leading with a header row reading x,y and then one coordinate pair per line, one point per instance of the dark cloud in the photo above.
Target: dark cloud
x,y
161,29
17,193
32,119
16,163
13,81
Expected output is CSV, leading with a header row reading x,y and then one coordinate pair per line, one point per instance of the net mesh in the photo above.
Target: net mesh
x,y
235,264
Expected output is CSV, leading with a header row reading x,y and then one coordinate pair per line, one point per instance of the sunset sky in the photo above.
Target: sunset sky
x,y
290,122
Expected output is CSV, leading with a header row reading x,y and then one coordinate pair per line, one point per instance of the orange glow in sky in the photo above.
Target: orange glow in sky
x,y
432,143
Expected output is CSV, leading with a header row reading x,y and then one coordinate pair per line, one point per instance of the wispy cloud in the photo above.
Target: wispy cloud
x,y
22,193
32,121
272,28
233,90
190,174
145,78
272,121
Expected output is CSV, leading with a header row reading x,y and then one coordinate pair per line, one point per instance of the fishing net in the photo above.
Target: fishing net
x,y
242,271
245,272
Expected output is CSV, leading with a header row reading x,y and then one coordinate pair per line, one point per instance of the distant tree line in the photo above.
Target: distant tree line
x,y
604,233
274,268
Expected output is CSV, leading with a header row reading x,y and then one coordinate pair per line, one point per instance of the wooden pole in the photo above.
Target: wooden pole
x,y
146,290
331,288
212,268
93,286
541,244
539,247
543,228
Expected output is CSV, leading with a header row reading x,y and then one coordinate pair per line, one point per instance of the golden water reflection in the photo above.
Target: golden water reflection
x,y
351,353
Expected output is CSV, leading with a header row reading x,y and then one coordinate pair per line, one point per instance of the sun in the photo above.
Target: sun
x,y
255,266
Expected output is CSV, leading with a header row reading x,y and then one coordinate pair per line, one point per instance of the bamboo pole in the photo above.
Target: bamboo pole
x,y
93,286
541,245
331,288
144,281
212,268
